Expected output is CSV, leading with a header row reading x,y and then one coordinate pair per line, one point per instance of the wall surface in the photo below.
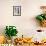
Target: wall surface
x,y
26,23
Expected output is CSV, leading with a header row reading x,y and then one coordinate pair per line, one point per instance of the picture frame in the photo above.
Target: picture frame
x,y
16,10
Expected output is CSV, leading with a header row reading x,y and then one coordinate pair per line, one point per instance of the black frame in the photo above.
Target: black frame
x,y
18,10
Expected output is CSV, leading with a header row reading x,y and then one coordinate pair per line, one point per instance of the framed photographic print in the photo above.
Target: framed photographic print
x,y
16,10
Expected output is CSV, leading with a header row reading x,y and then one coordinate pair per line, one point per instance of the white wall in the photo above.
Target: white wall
x,y
26,23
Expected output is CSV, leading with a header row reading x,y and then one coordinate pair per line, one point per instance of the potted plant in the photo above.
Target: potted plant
x,y
42,17
10,31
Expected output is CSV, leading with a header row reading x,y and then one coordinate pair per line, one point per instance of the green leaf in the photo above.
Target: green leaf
x,y
40,18
45,16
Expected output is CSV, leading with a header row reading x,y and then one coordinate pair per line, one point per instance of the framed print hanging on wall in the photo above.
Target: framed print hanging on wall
x,y
16,10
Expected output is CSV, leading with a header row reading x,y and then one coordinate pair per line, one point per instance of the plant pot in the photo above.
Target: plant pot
x,y
9,41
13,38
43,23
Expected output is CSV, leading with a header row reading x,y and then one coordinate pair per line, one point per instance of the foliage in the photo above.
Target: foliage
x,y
11,31
41,17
